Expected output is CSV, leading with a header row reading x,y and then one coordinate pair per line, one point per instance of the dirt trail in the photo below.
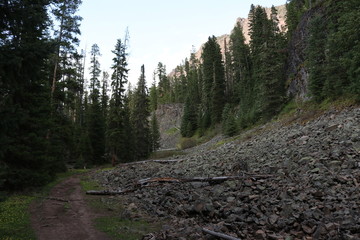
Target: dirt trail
x,y
65,214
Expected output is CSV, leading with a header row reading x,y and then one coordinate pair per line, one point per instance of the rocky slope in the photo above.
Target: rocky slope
x,y
300,179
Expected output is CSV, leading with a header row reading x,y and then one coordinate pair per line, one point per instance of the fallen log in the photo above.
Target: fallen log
x,y
109,192
150,161
220,235
200,179
148,182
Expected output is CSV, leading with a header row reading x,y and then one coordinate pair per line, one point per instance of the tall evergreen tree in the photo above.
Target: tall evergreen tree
x,y
241,70
96,120
24,102
213,83
316,57
118,140
140,118
153,96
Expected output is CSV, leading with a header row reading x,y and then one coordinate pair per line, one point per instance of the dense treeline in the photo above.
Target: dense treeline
x,y
246,84
51,116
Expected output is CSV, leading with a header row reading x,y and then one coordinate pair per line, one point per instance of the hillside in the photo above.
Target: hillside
x,y
298,179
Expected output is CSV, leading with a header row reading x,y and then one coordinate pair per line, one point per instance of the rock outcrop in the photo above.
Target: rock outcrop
x,y
169,118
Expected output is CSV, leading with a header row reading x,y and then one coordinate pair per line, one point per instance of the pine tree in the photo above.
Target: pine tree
x,y
241,69
153,96
229,126
266,45
213,83
139,118
316,57
24,102
118,139
66,36
96,120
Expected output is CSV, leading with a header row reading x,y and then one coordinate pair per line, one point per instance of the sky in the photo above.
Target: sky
x,y
160,30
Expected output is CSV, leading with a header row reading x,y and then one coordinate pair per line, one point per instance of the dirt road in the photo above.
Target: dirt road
x,y
65,214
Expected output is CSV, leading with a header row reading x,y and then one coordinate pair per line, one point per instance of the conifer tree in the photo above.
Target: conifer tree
x,y
118,126
139,118
96,120
24,98
316,57
153,96
241,70
213,83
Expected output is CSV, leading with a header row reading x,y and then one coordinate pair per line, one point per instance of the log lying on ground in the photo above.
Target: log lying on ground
x,y
147,182
200,179
108,192
150,161
220,235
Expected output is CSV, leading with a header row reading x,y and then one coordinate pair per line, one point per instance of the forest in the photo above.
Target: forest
x,y
52,117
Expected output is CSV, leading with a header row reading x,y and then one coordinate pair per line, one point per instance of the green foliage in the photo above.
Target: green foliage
x,y
139,119
187,143
153,97
213,82
124,228
294,10
332,51
119,129
316,57
15,219
229,125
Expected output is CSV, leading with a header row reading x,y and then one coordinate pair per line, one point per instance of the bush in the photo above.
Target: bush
x,y
187,143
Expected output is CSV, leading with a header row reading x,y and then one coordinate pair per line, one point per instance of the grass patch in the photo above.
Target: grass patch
x,y
125,229
14,210
87,184
165,154
15,218
115,223
172,131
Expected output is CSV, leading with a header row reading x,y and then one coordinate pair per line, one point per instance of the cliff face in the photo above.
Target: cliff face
x,y
169,118
297,72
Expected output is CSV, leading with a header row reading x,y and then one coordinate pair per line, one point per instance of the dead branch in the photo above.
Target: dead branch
x,y
220,235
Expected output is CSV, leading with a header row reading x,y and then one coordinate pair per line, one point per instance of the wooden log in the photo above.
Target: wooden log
x,y
151,161
148,182
200,179
108,192
219,235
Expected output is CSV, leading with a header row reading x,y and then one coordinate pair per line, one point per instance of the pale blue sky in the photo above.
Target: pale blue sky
x,y
160,30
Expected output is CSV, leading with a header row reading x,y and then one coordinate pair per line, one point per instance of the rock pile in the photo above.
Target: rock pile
x,y
313,191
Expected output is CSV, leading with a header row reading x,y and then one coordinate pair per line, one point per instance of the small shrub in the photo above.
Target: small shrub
x,y
187,143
